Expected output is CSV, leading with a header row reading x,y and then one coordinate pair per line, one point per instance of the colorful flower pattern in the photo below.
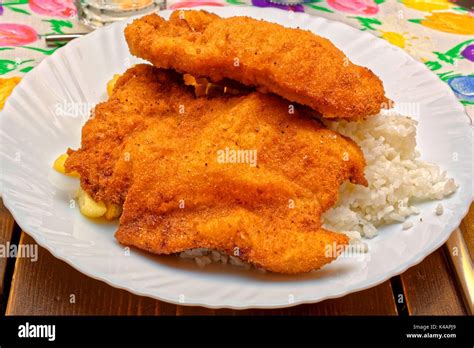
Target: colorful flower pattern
x,y
428,5
53,8
6,88
468,53
16,34
266,3
454,23
438,32
359,7
463,87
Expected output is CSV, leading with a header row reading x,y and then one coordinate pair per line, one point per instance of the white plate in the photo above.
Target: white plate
x,y
33,134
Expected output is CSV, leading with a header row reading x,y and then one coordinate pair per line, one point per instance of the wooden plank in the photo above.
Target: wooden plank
x,y
6,231
51,287
375,301
46,287
378,300
467,229
431,289
461,263
460,250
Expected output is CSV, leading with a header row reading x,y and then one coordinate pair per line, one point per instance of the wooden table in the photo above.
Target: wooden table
x,y
51,287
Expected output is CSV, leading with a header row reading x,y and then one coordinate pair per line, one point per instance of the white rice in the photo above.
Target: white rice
x,y
439,209
204,257
397,178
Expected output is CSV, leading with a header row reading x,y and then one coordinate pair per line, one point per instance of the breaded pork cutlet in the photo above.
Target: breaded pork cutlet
x,y
293,63
239,174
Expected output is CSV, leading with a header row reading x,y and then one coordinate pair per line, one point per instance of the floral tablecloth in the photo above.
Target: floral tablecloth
x,y
439,33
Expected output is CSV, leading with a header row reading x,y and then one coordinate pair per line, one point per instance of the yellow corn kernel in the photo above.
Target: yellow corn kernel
x,y
89,207
111,84
113,211
189,80
6,88
58,165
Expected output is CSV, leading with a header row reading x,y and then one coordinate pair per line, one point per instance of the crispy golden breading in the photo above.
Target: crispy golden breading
x,y
173,159
293,63
140,96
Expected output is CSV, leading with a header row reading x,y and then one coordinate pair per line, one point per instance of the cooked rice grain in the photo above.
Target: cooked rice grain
x,y
397,177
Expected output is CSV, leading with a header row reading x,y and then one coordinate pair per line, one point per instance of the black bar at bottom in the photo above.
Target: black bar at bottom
x,y
453,331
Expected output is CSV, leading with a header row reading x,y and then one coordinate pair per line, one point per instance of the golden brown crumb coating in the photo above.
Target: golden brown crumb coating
x,y
293,63
174,161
